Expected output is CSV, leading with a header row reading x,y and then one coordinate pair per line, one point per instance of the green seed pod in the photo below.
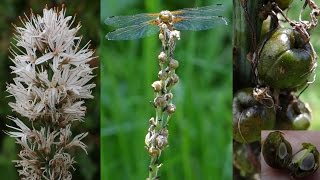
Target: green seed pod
x,y
305,162
265,27
283,4
293,114
276,150
250,117
285,61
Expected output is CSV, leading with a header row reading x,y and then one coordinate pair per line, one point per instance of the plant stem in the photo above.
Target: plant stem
x,y
157,136
246,35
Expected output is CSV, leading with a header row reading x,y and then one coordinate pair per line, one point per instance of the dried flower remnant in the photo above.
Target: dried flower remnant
x,y
157,136
51,81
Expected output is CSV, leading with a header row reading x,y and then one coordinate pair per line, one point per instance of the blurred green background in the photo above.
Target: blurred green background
x,y
200,141
312,94
87,166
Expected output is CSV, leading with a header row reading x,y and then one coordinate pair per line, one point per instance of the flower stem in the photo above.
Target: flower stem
x,y
157,136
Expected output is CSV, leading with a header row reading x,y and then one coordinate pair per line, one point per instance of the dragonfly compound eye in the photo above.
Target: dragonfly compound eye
x,y
305,162
165,16
276,150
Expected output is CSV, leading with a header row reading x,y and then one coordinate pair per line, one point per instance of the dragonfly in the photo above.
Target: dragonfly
x,y
146,24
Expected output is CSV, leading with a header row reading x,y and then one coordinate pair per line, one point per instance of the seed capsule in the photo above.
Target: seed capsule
x,y
283,4
173,64
305,162
276,150
294,113
250,117
286,61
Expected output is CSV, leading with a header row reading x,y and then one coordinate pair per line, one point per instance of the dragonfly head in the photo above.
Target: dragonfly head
x,y
165,16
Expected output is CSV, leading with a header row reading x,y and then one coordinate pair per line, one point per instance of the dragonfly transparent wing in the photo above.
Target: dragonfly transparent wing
x,y
133,32
200,23
201,18
122,21
212,10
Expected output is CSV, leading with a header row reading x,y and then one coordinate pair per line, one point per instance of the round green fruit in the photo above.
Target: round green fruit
x,y
293,114
305,162
250,117
285,62
276,150
283,4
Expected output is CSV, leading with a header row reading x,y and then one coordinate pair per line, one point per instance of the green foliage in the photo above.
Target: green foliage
x,y
88,14
8,153
200,130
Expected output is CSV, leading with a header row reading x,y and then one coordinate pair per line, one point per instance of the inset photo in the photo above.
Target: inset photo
x,y
287,155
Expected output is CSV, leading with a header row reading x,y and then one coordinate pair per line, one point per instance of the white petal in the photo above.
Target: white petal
x,y
44,58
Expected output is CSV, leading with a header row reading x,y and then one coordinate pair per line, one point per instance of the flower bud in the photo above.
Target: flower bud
x,y
175,35
168,96
153,152
157,86
171,108
161,36
159,101
162,75
161,141
174,79
151,121
162,57
147,139
173,64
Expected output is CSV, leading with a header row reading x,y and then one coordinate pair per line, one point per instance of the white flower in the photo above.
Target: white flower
x,y
77,142
43,42
60,166
52,80
21,132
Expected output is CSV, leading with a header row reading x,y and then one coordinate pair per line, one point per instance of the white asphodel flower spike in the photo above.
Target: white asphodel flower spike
x,y
43,41
52,80
21,132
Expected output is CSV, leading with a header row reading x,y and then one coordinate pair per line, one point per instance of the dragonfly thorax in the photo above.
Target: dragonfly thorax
x,y
165,16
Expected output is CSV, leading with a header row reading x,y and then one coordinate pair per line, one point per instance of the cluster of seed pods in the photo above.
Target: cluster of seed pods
x,y
283,65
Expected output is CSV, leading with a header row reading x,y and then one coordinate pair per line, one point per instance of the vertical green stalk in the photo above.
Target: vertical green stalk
x,y
157,136
246,35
